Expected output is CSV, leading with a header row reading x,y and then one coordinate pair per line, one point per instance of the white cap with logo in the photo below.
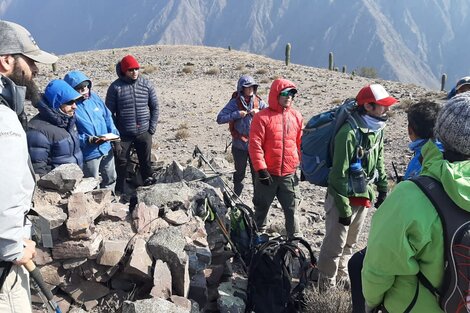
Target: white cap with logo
x,y
15,39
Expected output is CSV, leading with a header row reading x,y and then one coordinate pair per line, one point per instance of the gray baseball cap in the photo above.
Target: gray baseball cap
x,y
15,39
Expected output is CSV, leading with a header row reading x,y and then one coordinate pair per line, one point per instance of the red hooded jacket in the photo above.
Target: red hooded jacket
x,y
275,135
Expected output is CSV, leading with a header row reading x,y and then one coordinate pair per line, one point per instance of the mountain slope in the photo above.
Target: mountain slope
x,y
411,41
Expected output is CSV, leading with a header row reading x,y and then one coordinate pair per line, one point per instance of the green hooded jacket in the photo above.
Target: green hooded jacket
x,y
345,149
406,237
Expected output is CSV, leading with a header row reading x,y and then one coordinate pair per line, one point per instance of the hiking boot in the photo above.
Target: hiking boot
x,y
325,283
149,181
297,235
124,198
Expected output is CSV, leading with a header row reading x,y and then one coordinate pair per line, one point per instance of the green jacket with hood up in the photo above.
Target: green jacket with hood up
x,y
406,237
345,148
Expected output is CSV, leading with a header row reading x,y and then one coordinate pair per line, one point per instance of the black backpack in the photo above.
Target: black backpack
x,y
456,227
278,274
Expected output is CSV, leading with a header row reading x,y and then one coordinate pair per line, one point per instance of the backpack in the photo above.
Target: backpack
x,y
317,142
278,274
231,124
454,295
242,228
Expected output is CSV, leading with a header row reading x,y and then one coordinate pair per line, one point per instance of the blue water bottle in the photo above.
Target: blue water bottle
x,y
357,178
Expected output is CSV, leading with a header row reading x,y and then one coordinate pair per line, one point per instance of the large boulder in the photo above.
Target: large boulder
x,y
63,178
168,245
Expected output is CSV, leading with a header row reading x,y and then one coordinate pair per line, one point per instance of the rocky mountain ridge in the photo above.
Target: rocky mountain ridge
x,y
407,41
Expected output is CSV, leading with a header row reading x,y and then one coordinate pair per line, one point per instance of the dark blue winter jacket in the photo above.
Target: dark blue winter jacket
x,y
133,104
52,135
93,119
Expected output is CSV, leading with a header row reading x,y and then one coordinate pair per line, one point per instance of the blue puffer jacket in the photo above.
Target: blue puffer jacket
x,y
93,119
133,104
52,136
231,113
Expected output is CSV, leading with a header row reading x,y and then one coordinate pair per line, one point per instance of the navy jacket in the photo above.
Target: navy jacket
x,y
133,104
52,139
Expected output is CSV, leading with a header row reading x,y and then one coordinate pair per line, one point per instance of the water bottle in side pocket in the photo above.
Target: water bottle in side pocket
x,y
357,178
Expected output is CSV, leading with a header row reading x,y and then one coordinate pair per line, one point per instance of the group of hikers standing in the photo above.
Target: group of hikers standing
x,y
73,125
406,234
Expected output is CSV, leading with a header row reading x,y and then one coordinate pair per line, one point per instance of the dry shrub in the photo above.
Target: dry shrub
x,y
188,69
264,81
262,71
182,134
213,71
182,131
148,69
101,83
239,67
403,105
333,301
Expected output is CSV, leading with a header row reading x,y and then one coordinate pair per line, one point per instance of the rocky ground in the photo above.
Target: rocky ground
x,y
194,83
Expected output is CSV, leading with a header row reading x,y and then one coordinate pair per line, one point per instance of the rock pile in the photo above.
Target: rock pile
x,y
152,255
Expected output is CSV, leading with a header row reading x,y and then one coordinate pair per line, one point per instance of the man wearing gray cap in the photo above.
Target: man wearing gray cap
x,y
406,235
18,55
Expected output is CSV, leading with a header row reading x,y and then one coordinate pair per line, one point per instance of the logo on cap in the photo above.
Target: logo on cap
x,y
33,41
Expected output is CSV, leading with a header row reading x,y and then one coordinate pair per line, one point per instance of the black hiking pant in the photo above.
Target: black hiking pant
x,y
354,268
143,147
241,158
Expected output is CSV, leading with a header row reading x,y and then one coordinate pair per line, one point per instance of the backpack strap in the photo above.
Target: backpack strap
x,y
452,217
3,101
241,107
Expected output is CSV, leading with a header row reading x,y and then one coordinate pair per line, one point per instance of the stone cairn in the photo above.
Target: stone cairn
x,y
152,255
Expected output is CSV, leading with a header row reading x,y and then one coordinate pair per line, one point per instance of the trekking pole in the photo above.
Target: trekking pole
x,y
227,145
210,176
40,285
198,153
226,234
396,172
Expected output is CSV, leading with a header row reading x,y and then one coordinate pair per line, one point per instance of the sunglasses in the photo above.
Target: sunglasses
x,y
82,87
287,94
74,101
71,102
133,69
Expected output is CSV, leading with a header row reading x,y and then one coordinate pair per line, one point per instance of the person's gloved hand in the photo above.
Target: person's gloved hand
x,y
380,198
346,221
96,140
264,177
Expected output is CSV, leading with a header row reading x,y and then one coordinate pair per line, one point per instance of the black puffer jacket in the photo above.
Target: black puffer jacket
x,y
134,105
52,140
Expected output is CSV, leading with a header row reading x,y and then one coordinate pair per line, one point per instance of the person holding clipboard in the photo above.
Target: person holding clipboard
x,y
96,130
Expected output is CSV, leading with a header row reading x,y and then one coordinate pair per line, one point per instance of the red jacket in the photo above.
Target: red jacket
x,y
275,135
